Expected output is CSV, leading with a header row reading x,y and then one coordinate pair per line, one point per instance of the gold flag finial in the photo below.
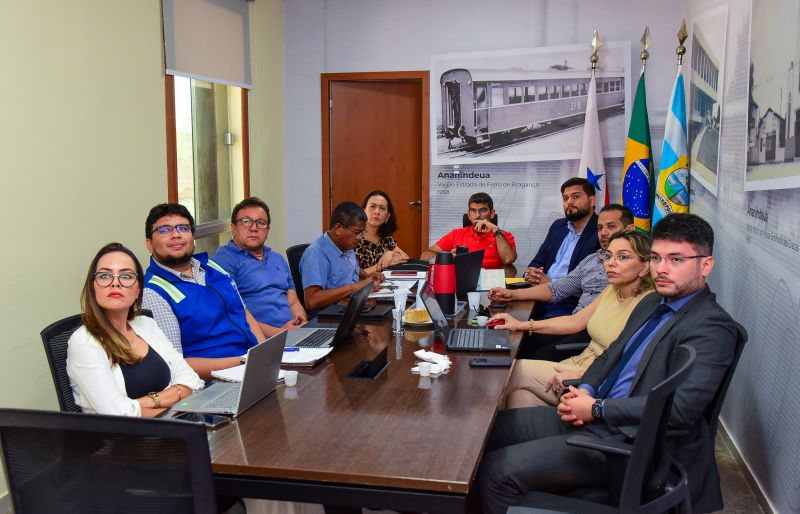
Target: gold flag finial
x,y
682,35
594,45
645,45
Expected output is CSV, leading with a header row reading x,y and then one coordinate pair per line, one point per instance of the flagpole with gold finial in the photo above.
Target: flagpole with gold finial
x,y
645,45
594,45
682,35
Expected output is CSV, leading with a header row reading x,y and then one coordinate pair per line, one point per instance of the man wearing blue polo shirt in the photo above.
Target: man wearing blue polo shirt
x,y
262,276
329,267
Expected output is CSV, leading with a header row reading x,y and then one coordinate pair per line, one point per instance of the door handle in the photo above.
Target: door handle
x,y
416,203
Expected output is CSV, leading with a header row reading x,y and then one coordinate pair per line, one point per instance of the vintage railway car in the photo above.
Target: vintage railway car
x,y
479,106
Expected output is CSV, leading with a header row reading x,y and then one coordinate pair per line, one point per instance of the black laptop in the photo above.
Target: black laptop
x,y
468,270
463,339
371,312
324,337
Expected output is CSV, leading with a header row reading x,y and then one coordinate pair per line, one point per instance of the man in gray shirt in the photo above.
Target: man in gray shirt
x,y
587,280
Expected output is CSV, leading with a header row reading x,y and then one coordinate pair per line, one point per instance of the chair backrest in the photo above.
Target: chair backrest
x,y
466,222
649,461
55,338
75,463
714,407
293,255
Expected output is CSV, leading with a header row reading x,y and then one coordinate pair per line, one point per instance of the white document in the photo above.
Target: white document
x,y
305,356
235,374
491,278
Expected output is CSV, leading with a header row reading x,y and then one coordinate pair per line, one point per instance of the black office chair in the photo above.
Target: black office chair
x,y
74,463
652,482
466,222
293,255
55,338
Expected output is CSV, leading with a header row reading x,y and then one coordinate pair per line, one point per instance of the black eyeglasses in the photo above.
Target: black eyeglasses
x,y
105,279
165,230
673,260
247,223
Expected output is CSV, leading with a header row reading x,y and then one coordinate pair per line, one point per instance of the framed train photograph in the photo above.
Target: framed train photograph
x,y
526,104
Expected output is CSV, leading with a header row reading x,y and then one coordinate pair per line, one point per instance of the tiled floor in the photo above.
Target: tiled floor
x,y
737,495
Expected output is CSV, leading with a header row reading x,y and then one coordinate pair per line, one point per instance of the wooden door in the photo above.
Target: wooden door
x,y
375,136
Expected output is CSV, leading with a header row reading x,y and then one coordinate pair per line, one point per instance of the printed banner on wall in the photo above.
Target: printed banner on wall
x,y
525,104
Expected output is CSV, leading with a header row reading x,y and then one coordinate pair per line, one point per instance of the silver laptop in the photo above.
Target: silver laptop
x,y
325,337
464,339
260,378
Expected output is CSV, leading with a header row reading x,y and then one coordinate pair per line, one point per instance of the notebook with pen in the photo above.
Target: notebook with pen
x,y
260,378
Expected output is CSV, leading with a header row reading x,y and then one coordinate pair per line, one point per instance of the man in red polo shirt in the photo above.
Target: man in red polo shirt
x,y
498,245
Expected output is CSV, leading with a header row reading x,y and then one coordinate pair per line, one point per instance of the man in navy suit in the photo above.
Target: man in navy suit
x,y
569,241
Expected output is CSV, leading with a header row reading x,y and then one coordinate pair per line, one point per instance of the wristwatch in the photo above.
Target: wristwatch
x,y
498,232
156,399
597,409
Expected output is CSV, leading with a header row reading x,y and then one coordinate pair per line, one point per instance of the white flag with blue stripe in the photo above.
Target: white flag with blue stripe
x,y
672,184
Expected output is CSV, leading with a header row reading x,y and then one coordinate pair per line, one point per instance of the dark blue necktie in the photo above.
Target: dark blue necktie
x,y
651,324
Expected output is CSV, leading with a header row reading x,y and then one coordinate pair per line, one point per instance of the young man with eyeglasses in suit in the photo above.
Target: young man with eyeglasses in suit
x,y
527,451
193,299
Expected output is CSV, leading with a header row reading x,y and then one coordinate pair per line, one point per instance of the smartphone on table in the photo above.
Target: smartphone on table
x,y
209,420
491,362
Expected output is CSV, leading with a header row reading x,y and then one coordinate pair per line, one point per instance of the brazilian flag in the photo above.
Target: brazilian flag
x,y
638,188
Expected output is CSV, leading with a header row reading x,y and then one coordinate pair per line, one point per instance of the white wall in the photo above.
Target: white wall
x,y
369,35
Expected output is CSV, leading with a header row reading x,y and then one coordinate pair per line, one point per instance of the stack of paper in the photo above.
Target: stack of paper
x,y
491,278
304,356
235,374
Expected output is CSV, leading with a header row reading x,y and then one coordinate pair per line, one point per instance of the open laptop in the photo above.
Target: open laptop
x,y
325,337
468,269
464,339
260,378
374,312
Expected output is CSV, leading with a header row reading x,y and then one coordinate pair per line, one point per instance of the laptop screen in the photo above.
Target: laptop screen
x,y
468,269
348,321
435,311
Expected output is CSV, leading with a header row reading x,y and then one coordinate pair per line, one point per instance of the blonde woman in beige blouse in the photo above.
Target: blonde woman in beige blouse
x,y
537,382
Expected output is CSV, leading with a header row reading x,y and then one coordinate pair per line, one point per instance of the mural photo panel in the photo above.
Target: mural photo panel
x,y
525,104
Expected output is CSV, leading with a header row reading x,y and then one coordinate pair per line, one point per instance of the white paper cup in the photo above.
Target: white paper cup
x,y
482,320
290,377
424,369
474,300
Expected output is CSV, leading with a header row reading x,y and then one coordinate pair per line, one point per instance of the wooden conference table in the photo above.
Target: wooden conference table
x,y
399,441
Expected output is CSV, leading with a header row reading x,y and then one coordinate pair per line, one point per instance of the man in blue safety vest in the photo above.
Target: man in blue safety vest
x,y
193,300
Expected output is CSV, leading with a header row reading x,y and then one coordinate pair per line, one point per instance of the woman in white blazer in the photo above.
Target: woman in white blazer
x,y
119,362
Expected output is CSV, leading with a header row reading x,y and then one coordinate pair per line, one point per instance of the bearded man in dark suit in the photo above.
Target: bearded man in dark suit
x,y
527,450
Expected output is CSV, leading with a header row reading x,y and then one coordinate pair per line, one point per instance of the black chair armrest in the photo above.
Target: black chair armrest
x,y
603,445
677,432
629,432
